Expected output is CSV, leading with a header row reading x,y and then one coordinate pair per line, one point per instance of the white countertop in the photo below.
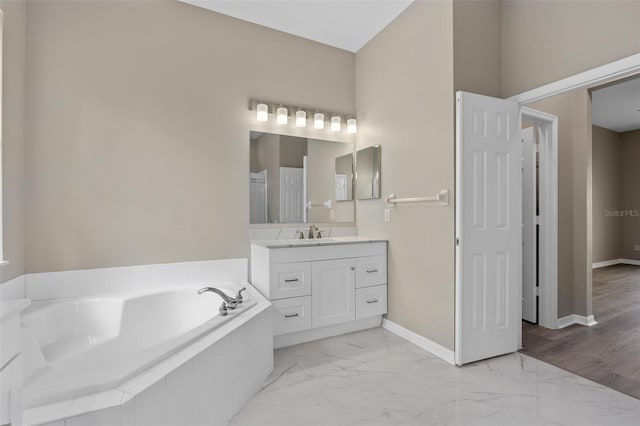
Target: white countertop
x,y
9,308
317,242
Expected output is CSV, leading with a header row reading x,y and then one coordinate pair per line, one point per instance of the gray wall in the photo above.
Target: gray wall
x,y
544,41
138,134
405,103
322,183
573,110
13,136
292,151
268,158
607,194
631,193
477,46
576,37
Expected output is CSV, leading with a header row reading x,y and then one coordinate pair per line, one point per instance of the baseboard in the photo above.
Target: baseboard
x,y
576,319
606,263
426,344
612,262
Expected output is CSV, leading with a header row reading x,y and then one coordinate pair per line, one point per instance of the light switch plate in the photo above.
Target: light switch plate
x,y
387,215
636,247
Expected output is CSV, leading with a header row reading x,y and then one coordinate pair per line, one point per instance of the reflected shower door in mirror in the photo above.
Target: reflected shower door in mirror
x,y
298,180
368,170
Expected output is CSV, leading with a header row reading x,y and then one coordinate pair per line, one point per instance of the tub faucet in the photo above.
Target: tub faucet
x,y
239,297
231,302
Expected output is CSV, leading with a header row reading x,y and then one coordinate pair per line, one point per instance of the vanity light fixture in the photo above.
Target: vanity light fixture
x,y
300,114
301,118
262,113
282,115
335,123
352,126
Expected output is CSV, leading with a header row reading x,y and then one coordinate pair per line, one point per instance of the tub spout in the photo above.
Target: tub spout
x,y
239,297
230,301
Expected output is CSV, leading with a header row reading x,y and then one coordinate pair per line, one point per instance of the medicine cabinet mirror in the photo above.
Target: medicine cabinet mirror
x,y
368,173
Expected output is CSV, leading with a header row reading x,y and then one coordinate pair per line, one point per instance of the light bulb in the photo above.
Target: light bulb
x,y
281,115
301,118
335,123
262,112
352,126
318,120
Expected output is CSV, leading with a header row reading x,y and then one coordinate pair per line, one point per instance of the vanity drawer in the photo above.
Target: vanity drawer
x,y
371,301
371,271
290,280
291,315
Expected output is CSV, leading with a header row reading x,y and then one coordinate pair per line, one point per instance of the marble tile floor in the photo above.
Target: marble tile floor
x,y
375,378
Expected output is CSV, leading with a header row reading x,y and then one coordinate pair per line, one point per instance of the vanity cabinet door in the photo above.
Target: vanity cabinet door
x,y
333,285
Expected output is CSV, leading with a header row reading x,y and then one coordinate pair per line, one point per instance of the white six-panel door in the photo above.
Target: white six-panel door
x,y
488,227
291,195
529,237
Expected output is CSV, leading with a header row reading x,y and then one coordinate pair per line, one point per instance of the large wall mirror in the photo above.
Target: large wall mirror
x,y
368,173
299,180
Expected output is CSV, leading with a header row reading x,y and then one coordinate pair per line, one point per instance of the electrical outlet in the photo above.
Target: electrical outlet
x,y
387,215
636,247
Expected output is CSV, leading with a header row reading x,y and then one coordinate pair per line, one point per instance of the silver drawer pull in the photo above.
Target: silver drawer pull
x,y
291,280
372,301
290,315
371,271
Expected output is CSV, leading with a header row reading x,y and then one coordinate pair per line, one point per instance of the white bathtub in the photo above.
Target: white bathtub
x,y
75,347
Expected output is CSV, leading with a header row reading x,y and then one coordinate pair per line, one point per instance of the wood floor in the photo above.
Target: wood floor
x,y
608,352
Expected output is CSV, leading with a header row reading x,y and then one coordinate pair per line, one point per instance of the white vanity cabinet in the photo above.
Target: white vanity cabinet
x,y
321,289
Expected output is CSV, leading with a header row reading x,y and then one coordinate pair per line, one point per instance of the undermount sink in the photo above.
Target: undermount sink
x,y
313,241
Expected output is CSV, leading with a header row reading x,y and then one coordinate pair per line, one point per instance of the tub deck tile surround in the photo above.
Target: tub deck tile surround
x,y
13,289
376,378
206,390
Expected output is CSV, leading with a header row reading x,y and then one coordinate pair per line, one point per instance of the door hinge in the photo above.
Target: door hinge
x,y
457,241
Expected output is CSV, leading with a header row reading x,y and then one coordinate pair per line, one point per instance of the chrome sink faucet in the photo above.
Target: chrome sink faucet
x,y
312,231
228,301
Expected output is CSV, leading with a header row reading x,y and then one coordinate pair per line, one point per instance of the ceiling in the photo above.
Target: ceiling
x,y
617,107
345,24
